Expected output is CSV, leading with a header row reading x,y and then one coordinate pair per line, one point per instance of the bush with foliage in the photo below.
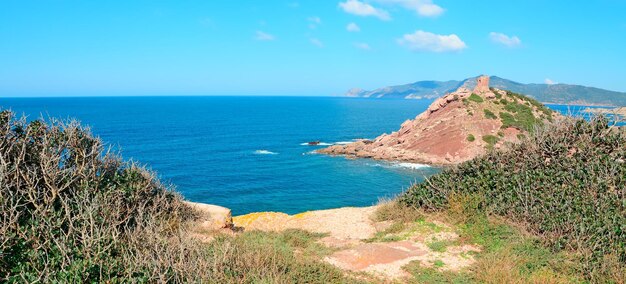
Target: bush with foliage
x,y
71,212
565,183
67,210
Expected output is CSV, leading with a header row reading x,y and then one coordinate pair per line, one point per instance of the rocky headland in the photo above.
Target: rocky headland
x,y
456,128
621,111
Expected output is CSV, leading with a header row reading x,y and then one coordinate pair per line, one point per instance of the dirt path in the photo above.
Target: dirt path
x,y
367,246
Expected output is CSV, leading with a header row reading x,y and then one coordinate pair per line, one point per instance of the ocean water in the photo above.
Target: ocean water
x,y
250,153
246,153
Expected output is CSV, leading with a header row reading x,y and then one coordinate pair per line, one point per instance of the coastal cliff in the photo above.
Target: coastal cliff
x,y
455,128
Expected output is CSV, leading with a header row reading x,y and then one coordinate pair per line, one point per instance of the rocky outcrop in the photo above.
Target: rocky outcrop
x,y
455,128
621,111
212,217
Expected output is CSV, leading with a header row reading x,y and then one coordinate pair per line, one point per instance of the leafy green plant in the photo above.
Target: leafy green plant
x,y
471,138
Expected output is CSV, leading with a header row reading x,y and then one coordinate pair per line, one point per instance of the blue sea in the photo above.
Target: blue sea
x,y
249,153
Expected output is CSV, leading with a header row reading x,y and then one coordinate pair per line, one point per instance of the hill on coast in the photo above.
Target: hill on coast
x,y
456,127
545,93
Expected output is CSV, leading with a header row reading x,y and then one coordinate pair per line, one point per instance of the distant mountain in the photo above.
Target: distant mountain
x,y
555,93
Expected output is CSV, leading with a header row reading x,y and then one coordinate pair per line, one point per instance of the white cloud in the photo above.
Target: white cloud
x,y
359,8
352,27
424,8
362,45
549,81
263,36
509,41
425,41
316,42
314,22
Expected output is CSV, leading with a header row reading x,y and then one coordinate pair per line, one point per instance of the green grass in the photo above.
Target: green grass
x,y
404,230
432,275
513,256
489,114
471,138
508,256
476,98
439,246
507,253
491,140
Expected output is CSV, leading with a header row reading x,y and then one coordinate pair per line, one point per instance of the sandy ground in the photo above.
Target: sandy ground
x,y
350,230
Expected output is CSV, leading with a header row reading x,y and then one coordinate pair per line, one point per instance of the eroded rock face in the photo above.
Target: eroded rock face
x,y
449,132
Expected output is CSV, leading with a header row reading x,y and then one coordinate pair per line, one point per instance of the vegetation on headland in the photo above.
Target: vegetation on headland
x,y
566,184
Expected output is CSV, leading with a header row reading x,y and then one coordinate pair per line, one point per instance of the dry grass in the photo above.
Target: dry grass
x,y
508,254
390,210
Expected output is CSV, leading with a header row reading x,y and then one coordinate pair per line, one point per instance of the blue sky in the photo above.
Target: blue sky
x,y
301,47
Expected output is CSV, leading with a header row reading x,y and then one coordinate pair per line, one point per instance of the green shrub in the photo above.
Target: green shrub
x,y
523,119
490,139
489,114
475,98
72,213
565,183
531,102
498,95
471,138
68,209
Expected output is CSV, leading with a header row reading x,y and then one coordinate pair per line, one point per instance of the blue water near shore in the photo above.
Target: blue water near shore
x,y
246,153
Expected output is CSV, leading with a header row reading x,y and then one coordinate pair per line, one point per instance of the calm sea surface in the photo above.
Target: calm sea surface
x,y
246,153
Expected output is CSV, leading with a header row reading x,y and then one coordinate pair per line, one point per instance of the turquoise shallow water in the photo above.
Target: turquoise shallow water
x,y
245,153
